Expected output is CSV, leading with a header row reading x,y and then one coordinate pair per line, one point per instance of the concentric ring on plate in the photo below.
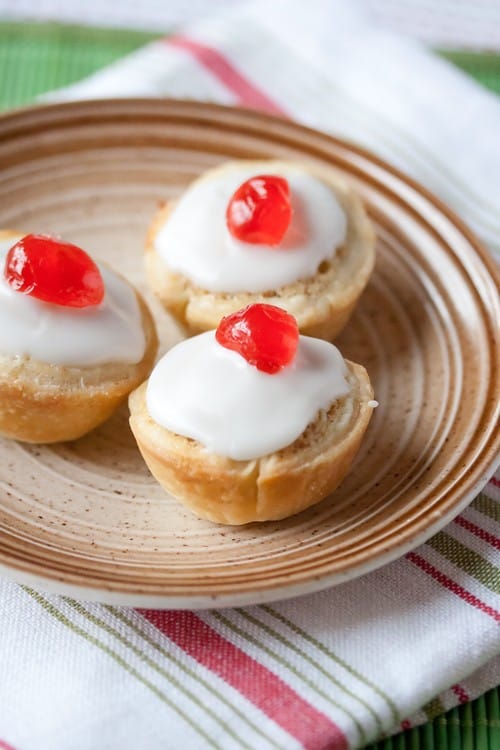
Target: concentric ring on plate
x,y
86,517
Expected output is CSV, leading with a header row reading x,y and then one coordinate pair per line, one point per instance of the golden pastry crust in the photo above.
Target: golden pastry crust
x,y
269,488
321,304
44,403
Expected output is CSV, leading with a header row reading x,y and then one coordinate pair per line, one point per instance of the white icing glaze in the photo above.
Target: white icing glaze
x,y
195,241
204,391
109,332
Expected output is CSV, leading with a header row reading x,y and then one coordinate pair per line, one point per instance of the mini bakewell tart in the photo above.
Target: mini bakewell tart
x,y
75,339
286,234
251,422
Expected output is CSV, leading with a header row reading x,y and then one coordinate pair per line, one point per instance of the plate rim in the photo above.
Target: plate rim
x,y
481,249
486,461
224,601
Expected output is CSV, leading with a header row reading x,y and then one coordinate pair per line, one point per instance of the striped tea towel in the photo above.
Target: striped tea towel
x,y
338,668
447,23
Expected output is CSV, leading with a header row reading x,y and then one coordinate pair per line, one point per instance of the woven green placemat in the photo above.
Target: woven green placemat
x,y
36,58
484,67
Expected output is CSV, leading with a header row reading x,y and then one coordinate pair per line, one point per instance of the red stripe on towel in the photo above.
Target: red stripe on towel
x,y
248,94
312,728
452,585
460,693
478,531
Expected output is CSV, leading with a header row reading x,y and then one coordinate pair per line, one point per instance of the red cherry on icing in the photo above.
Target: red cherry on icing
x,y
265,335
53,271
260,212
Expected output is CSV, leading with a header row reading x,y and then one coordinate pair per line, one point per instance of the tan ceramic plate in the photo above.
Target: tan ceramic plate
x,y
87,518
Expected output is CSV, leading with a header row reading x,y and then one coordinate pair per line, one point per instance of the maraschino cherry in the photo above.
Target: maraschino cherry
x,y
265,335
260,211
53,271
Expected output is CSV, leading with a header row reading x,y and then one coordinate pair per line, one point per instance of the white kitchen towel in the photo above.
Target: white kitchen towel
x,y
447,23
338,668
328,65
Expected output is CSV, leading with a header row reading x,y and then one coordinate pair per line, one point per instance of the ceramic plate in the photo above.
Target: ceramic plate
x,y
86,518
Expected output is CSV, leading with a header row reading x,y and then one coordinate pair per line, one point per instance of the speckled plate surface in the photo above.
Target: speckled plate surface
x,y
87,518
